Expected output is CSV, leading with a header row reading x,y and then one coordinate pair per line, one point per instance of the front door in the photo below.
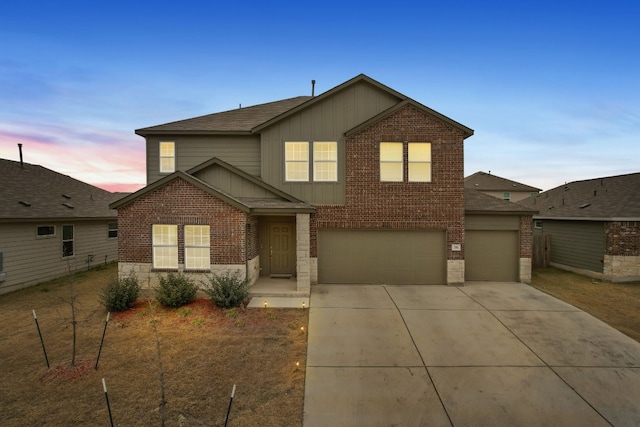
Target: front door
x,y
282,250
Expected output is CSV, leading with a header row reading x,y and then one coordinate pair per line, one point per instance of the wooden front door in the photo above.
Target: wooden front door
x,y
282,248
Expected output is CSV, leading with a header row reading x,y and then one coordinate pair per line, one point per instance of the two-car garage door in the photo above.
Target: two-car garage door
x,y
382,256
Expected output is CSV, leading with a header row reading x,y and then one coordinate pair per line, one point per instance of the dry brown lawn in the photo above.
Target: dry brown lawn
x,y
617,304
205,351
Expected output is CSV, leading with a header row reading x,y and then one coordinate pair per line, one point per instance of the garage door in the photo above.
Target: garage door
x,y
382,256
491,255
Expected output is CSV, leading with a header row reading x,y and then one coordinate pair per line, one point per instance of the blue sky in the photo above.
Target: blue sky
x,y
551,88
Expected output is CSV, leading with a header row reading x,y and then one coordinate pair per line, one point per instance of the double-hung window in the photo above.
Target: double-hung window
x,y
167,157
392,162
317,160
165,246
67,240
112,230
197,247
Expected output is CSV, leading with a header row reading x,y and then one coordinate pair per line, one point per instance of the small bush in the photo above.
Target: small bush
x,y
120,294
227,290
175,290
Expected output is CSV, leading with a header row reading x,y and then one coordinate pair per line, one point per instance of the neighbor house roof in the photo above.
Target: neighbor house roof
x,y
476,202
31,192
255,118
484,181
608,198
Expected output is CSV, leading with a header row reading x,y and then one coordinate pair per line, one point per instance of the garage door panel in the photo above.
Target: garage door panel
x,y
492,255
382,256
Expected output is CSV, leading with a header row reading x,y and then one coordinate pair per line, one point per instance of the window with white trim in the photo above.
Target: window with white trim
x,y
67,240
165,246
197,247
419,162
167,157
391,162
325,161
296,159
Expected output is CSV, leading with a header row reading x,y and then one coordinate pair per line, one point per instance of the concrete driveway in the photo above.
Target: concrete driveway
x,y
486,354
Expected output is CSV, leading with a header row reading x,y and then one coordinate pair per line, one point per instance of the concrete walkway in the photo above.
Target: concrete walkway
x,y
486,354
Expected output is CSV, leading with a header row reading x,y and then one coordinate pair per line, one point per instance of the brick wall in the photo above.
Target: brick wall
x,y
401,205
526,236
622,238
180,203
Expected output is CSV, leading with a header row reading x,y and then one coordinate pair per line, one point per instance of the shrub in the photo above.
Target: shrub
x,y
120,294
227,290
175,290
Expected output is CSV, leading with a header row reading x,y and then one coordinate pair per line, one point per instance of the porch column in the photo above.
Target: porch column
x,y
303,247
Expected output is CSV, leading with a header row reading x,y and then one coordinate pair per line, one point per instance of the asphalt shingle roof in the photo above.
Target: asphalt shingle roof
x,y
477,202
30,192
613,197
486,182
239,120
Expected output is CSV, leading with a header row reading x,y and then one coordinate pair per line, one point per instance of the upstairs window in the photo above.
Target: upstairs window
x,y
67,240
506,195
197,247
325,161
165,246
296,159
167,157
391,162
419,162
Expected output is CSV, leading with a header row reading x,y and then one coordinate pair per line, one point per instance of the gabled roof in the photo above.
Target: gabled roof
x,y
285,204
241,120
256,118
486,182
31,192
476,202
607,199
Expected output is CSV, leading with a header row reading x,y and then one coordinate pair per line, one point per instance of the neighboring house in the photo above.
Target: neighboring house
x,y
51,224
501,188
360,184
594,226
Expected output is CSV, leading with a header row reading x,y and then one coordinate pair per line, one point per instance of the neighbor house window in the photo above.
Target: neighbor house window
x,y
325,161
391,161
537,224
296,159
165,246
46,231
112,230
167,157
67,240
197,247
506,195
419,162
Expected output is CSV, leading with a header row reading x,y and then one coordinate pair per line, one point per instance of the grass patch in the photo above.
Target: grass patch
x,y
204,354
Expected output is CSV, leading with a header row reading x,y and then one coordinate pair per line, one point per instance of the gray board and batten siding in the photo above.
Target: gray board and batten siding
x,y
241,151
577,244
327,120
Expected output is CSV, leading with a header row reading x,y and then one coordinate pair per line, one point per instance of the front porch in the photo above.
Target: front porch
x,y
278,293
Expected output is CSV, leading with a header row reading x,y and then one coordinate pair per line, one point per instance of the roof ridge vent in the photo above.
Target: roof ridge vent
x,y
23,203
585,205
67,205
66,196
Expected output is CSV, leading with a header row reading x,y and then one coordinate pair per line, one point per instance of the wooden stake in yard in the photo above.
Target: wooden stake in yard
x,y
106,322
41,340
233,392
106,396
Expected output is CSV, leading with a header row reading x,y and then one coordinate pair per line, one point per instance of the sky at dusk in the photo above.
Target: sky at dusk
x,y
551,88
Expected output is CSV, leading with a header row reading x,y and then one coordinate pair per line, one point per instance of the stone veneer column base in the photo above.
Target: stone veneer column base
x,y
149,279
619,268
525,270
303,251
455,272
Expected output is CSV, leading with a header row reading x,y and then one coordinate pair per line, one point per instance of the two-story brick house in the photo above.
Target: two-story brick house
x,y
360,184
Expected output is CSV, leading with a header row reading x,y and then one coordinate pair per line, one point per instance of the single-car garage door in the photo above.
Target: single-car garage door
x,y
491,255
382,256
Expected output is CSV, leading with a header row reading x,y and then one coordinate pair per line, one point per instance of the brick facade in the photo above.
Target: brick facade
x,y
180,203
370,203
526,236
622,238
